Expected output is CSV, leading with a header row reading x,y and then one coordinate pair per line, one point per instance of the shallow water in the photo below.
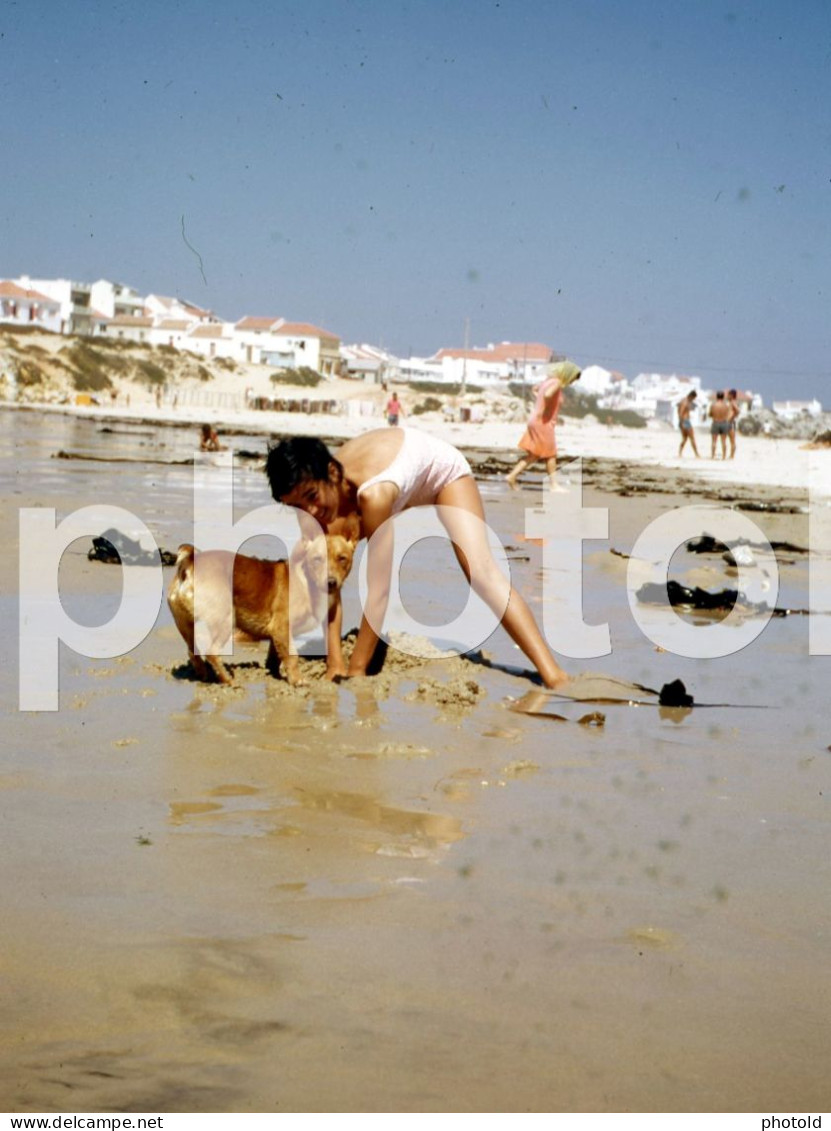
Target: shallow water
x,y
362,899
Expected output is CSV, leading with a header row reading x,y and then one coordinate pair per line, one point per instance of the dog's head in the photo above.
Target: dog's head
x,y
339,554
325,560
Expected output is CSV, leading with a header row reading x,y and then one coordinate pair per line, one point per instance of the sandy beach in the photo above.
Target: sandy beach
x,y
425,891
759,461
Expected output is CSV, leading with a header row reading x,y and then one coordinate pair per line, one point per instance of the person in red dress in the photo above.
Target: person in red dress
x,y
539,440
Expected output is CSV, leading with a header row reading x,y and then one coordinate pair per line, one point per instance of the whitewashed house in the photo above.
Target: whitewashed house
x,y
75,301
161,306
128,327
595,381
25,306
173,332
212,339
287,345
371,364
790,410
656,395
493,366
115,299
421,369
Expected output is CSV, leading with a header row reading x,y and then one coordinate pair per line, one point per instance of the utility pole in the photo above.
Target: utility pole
x,y
464,358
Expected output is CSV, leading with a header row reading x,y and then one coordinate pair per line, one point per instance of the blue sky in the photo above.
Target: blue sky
x,y
640,184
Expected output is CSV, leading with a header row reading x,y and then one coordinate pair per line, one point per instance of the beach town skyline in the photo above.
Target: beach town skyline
x,y
115,311
626,183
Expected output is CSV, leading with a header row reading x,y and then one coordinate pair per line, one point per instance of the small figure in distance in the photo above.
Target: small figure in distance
x,y
733,401
685,423
394,410
720,415
539,440
209,439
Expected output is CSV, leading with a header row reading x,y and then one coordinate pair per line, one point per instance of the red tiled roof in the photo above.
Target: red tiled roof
x,y
212,330
306,329
504,351
173,324
131,320
253,323
190,307
199,311
8,289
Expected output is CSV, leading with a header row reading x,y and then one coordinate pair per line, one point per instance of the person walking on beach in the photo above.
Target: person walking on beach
x,y
720,415
539,440
394,410
685,423
376,476
733,401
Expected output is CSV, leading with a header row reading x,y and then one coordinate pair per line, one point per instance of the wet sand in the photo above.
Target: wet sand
x,y
400,894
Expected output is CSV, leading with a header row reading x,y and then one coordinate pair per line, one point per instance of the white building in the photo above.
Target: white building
x,y
496,365
416,369
596,381
128,327
115,299
371,364
790,410
160,306
212,339
656,395
287,345
25,306
173,332
75,301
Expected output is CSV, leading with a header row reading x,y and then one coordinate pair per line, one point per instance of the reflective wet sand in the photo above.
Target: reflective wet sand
x,y
374,897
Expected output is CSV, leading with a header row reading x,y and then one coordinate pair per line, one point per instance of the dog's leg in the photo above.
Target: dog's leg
x,y
272,661
284,650
293,672
218,668
199,666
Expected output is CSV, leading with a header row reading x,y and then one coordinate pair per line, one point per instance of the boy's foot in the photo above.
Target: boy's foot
x,y
557,680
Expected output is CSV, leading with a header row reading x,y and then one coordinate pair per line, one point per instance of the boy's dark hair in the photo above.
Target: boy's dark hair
x,y
295,459
720,395
732,393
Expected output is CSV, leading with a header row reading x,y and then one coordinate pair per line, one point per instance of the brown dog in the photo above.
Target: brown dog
x,y
214,591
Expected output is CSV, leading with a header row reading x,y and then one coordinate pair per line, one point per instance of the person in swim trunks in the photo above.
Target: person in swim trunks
x,y
720,416
685,423
733,401
378,475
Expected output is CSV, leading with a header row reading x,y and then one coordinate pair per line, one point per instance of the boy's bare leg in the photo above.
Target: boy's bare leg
x,y
463,519
523,463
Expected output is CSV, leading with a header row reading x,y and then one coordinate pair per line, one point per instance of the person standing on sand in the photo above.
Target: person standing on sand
x,y
539,440
685,423
394,410
733,401
378,475
720,415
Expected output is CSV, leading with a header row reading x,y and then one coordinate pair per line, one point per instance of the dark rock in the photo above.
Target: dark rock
x,y
115,548
675,694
